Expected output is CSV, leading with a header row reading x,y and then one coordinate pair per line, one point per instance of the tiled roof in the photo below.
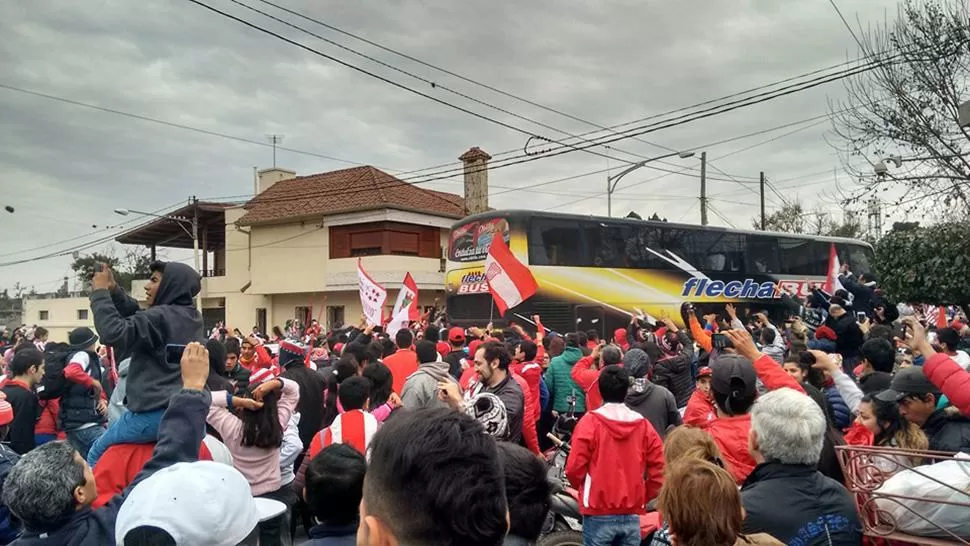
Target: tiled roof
x,y
347,190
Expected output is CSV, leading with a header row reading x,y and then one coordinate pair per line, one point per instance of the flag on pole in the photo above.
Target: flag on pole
x,y
372,295
832,282
406,306
509,281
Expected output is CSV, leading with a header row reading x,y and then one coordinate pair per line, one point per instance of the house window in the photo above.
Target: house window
x,y
385,238
82,314
335,316
261,319
303,314
44,315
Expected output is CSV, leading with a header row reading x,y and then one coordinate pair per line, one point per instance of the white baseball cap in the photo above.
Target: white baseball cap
x,y
202,502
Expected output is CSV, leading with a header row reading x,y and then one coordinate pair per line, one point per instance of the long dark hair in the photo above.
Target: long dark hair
x,y
381,382
261,428
345,367
893,426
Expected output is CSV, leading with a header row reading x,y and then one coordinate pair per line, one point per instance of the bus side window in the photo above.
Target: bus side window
x,y
556,242
717,251
606,245
762,254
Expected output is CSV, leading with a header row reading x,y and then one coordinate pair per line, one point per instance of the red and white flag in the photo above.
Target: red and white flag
x,y
406,306
372,295
509,281
832,282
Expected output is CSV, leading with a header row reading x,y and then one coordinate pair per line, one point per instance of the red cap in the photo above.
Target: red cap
x,y
261,376
6,413
824,332
473,347
704,371
456,335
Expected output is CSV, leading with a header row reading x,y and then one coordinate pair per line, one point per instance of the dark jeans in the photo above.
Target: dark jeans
x,y
611,531
276,532
82,439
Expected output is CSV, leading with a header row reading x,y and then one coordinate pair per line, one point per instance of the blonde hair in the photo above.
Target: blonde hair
x,y
684,443
701,504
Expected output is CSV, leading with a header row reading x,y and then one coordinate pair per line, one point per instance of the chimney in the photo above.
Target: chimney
x,y
267,177
476,180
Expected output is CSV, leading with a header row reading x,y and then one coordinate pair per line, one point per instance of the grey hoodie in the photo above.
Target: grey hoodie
x,y
655,403
143,335
421,388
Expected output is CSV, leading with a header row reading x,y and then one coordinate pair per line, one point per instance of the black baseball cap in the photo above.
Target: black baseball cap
x,y
908,381
732,368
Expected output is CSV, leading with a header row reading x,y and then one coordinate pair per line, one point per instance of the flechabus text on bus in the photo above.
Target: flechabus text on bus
x,y
746,289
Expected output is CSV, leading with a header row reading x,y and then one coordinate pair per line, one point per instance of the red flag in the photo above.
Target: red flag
x,y
406,308
509,281
832,282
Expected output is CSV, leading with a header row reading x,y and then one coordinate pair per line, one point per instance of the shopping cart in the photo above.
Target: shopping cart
x,y
866,468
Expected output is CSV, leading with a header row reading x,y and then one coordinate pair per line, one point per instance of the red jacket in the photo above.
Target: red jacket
x,y
402,364
616,462
119,465
587,379
730,433
531,407
532,373
260,361
701,411
47,424
951,379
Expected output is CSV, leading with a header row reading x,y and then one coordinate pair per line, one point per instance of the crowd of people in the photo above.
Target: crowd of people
x,y
726,427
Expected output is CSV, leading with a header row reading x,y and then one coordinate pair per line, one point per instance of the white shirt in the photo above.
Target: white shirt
x,y
963,359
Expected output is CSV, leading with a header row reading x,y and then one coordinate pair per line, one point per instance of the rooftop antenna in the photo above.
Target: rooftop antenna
x,y
274,140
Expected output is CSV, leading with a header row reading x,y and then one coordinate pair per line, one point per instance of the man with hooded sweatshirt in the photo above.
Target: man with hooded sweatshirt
x,y
655,403
171,319
421,388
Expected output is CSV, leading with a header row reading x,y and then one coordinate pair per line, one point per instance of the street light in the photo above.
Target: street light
x,y
612,181
182,222
882,169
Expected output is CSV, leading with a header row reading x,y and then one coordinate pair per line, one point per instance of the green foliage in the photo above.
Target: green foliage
x,y
926,264
135,265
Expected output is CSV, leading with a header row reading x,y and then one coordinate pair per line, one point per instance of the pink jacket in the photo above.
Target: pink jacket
x,y
261,466
951,379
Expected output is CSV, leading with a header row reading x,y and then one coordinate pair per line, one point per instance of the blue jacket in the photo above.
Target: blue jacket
x,y
840,410
179,439
333,535
9,529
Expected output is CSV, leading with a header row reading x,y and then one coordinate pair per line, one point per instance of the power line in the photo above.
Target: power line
x,y
595,142
847,25
172,124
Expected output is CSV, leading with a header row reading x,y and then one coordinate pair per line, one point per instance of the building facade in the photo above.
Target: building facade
x,y
58,315
291,252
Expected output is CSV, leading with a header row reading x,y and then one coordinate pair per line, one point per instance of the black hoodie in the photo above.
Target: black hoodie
x,y
171,320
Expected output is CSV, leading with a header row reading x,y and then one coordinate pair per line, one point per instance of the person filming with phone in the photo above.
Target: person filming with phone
x,y
154,339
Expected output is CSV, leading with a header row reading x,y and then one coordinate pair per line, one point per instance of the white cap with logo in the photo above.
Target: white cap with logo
x,y
201,502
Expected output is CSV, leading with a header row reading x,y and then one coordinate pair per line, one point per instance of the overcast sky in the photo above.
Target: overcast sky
x,y
65,167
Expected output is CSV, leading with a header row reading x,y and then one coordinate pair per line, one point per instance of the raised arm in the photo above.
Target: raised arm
x,y
768,370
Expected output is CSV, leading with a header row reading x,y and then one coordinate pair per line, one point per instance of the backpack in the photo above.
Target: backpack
x,y
53,384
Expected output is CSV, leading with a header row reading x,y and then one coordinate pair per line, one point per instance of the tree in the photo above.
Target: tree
x,y
790,218
135,265
926,264
907,106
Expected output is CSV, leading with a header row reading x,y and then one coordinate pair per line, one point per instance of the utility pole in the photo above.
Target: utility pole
x,y
762,201
703,188
195,246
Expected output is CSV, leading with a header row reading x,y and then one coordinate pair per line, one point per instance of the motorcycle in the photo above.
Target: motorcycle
x,y
563,525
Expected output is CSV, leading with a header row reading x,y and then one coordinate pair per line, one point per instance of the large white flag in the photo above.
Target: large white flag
x,y
372,296
406,307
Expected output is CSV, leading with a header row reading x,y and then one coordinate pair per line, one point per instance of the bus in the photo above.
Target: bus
x,y
597,273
